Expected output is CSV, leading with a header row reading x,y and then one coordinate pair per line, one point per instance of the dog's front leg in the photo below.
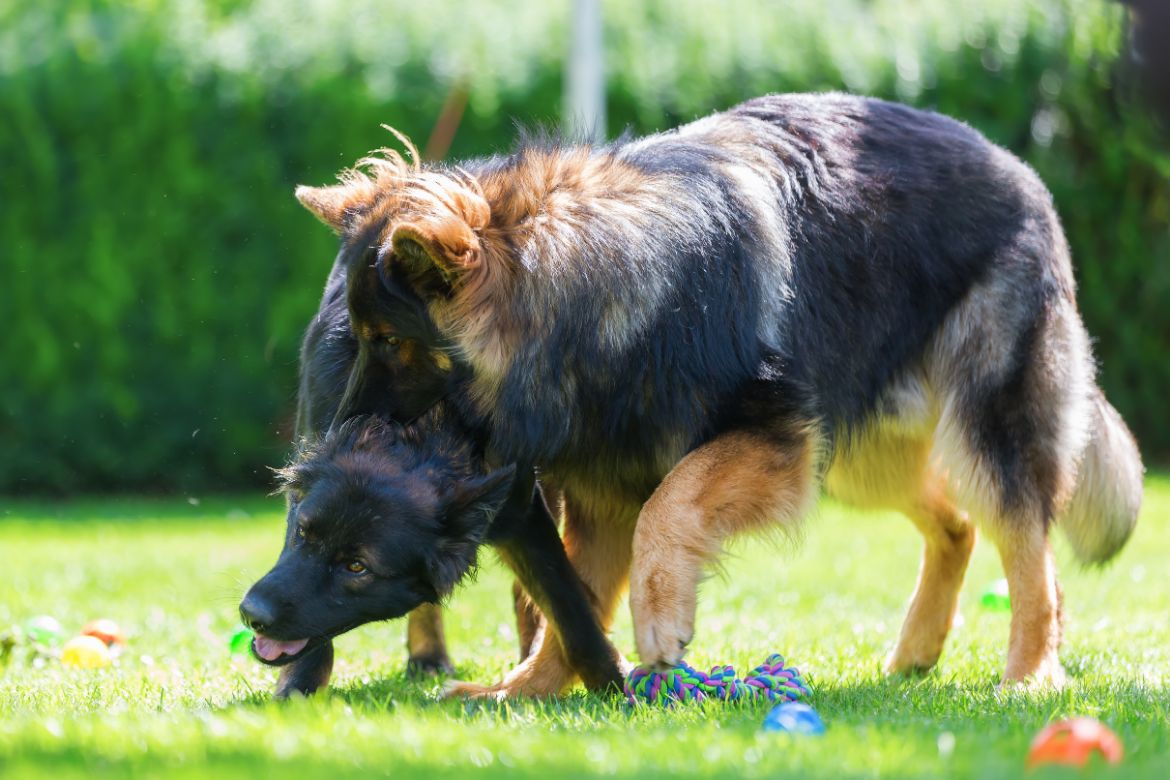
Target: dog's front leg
x,y
528,542
597,542
425,643
307,673
736,482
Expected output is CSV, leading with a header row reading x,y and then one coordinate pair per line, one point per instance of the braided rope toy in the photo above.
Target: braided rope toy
x,y
771,680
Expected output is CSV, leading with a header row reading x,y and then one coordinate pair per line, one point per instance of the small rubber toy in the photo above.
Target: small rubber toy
x,y
43,630
240,642
794,717
996,596
85,652
105,630
1074,742
8,641
770,680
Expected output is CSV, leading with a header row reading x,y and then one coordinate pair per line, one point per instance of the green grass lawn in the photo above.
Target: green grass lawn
x,y
178,704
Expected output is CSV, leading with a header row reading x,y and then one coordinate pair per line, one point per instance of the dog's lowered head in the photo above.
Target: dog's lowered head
x,y
381,518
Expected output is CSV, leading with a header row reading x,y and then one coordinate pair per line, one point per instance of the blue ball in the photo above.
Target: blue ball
x,y
793,717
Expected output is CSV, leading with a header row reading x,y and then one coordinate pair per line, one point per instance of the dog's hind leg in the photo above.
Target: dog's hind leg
x,y
426,645
1036,606
948,539
736,482
1016,374
888,466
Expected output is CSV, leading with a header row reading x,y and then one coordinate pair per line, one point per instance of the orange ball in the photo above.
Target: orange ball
x,y
105,630
1073,743
85,652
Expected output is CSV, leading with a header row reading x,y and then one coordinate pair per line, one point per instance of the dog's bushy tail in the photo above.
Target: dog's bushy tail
x,y
1104,507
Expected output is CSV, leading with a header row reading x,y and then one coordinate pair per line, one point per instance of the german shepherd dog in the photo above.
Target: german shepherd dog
x,y
690,333
385,517
328,352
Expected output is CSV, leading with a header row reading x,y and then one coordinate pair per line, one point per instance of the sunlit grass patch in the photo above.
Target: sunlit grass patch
x,y
178,703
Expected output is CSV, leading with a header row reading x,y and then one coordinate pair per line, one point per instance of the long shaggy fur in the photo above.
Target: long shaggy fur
x,y
853,290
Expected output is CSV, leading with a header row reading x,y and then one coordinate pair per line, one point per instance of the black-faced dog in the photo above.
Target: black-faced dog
x,y
382,518
298,607
691,333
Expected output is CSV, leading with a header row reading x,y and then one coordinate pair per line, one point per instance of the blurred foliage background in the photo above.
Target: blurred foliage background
x,y
156,272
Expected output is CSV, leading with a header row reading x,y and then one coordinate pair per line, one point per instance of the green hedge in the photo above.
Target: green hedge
x,y
157,273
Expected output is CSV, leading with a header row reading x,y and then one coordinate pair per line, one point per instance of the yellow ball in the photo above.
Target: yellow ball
x,y
85,652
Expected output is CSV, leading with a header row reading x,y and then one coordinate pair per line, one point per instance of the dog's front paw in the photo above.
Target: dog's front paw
x,y
664,619
307,674
429,665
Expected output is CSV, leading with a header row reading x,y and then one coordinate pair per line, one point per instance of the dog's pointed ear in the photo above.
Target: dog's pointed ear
x,y
332,204
473,505
447,241
448,247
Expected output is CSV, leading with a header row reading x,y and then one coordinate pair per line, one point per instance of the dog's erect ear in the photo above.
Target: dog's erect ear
x,y
445,240
475,501
474,504
330,204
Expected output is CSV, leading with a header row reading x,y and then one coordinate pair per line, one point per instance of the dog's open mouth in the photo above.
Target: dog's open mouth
x,y
278,652
275,651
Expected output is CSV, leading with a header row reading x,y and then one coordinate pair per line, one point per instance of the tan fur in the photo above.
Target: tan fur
x,y
543,673
738,482
598,541
535,206
449,237
948,539
424,632
889,467
361,187
970,346
330,204
1036,606
441,360
880,469
974,344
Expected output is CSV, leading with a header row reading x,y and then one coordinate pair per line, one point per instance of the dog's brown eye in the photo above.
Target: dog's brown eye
x,y
301,532
355,567
393,341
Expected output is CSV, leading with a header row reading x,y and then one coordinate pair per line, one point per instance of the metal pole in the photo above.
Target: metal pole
x,y
585,76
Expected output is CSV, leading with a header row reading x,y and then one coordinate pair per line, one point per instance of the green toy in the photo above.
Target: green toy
x,y
240,642
996,597
43,630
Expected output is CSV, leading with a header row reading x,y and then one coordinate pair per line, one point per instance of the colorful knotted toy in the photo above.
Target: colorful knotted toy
x,y
770,680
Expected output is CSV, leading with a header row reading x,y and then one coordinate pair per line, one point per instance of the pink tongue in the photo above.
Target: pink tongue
x,y
271,649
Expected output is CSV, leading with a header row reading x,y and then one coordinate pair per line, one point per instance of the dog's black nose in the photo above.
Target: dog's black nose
x,y
256,612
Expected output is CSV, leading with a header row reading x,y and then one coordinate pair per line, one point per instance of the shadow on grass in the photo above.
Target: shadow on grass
x,y
877,702
899,724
